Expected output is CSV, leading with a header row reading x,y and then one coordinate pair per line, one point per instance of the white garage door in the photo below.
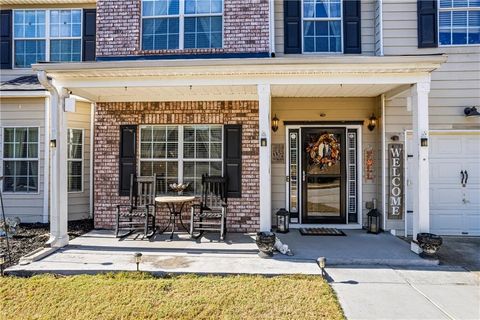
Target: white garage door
x,y
454,207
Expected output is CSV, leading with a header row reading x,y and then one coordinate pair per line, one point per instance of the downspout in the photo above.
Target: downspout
x,y
271,10
92,150
46,161
384,164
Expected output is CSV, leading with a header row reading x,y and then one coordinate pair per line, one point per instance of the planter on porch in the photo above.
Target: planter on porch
x,y
429,243
265,243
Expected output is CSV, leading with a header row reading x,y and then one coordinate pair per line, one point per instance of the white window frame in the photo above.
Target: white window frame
x,y
181,25
77,160
468,9
314,19
47,37
3,159
180,154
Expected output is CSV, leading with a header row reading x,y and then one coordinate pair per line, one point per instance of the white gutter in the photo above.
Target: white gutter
x,y
381,26
23,94
384,163
92,150
46,161
272,26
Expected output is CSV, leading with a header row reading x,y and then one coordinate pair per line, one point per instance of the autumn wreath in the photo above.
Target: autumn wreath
x,y
325,151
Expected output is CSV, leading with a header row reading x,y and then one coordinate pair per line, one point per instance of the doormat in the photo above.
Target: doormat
x,y
321,232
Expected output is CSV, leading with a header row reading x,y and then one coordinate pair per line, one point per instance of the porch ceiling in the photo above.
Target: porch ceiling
x,y
335,90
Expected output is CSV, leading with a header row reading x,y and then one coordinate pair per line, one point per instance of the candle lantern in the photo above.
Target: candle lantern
x,y
373,221
283,221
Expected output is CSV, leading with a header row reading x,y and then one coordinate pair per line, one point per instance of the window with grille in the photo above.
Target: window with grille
x,y
322,25
20,160
181,154
459,22
75,160
46,35
182,24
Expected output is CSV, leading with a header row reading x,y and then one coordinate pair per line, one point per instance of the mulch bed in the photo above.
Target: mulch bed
x,y
31,236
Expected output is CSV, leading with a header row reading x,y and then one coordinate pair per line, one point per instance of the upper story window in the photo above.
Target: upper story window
x,y
46,35
322,26
182,24
459,22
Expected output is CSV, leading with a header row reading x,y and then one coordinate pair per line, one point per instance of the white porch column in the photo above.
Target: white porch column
x,y
264,106
420,172
58,188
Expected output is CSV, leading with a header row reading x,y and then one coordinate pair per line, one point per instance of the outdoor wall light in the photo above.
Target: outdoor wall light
x,y
138,259
471,112
424,140
53,143
2,262
372,122
275,122
322,262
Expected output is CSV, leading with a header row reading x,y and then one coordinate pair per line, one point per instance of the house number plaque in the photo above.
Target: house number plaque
x,y
396,179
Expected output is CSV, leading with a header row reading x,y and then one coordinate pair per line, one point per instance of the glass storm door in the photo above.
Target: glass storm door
x,y
323,175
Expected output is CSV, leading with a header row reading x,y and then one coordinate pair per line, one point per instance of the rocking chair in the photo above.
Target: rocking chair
x,y
139,214
211,213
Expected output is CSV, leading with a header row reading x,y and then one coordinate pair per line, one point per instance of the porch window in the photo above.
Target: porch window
x,y
75,160
459,22
20,155
182,24
46,35
322,26
181,153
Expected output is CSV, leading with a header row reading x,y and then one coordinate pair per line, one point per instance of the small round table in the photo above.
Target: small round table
x,y
171,201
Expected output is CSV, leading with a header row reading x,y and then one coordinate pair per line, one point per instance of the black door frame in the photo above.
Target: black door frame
x,y
343,177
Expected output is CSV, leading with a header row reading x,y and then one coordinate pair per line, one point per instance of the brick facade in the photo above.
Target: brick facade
x,y
243,214
246,29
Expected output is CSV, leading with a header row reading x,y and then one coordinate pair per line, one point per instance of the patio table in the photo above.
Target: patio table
x,y
172,202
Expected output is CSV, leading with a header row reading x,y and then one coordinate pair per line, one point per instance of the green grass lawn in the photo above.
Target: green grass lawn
x,y
142,296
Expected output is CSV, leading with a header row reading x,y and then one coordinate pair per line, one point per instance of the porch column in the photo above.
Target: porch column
x,y
420,172
58,188
264,106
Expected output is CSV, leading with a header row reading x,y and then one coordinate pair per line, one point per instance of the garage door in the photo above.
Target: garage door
x,y
454,206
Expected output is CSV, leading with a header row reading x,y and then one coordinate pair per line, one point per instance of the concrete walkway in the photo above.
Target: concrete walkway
x,y
374,276
100,251
376,292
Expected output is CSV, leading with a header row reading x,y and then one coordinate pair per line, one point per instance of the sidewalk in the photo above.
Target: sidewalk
x,y
369,292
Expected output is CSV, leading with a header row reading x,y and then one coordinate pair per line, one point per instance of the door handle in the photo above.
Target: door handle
x,y
466,178
463,178
303,175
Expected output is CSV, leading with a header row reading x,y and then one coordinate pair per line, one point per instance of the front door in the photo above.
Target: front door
x,y
323,175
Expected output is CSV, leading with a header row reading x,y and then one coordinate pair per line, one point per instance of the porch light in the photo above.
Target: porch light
x,y
471,112
138,259
283,221
2,262
53,143
275,122
372,122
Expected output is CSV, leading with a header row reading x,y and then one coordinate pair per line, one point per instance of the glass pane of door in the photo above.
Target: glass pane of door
x,y
323,175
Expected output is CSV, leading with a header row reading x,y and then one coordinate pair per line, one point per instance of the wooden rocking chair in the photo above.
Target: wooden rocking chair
x,y
211,213
139,214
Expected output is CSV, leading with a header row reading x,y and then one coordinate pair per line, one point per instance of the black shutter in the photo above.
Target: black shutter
x,y
233,159
427,23
352,31
89,34
128,157
6,39
292,26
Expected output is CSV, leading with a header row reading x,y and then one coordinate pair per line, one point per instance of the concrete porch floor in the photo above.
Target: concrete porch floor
x,y
100,251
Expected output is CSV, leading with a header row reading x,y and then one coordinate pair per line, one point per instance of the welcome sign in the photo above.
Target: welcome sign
x,y
396,188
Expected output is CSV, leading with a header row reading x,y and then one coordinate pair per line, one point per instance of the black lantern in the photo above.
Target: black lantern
x,y
275,122
372,122
283,221
373,221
